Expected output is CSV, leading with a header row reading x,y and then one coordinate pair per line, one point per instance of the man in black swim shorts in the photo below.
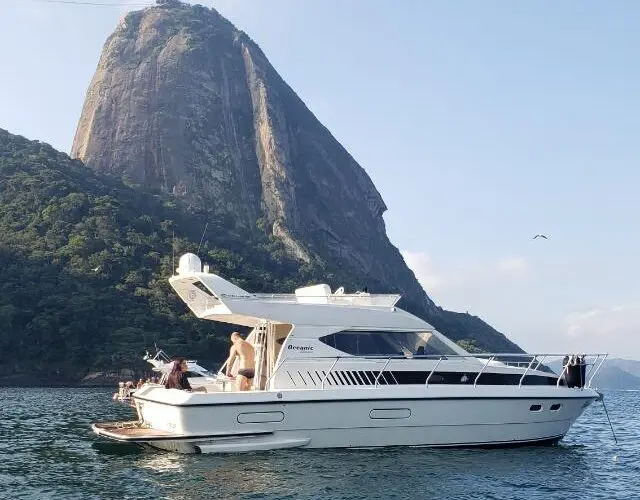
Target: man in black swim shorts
x,y
247,372
243,350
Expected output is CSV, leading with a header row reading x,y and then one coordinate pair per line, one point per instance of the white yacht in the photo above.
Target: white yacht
x,y
352,370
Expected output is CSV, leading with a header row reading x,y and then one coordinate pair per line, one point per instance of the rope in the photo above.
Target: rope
x,y
609,420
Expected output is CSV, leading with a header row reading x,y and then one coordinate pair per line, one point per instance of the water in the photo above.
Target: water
x,y
47,450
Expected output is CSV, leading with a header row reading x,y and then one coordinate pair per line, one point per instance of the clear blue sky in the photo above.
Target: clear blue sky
x,y
481,124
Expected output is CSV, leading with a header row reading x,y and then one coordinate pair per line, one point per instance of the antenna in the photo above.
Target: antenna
x,y
201,239
173,251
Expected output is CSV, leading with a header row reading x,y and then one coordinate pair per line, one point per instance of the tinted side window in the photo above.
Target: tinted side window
x,y
386,343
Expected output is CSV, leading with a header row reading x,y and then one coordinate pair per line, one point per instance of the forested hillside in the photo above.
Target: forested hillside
x,y
84,262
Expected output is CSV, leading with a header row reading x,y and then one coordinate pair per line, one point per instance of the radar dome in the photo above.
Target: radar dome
x,y
189,263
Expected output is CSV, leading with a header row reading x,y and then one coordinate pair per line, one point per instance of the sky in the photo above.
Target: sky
x,y
480,123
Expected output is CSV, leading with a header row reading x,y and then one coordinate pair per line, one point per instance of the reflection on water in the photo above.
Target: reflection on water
x,y
114,448
161,462
47,450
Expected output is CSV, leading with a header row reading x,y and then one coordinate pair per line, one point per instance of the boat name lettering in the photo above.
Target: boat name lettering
x,y
303,348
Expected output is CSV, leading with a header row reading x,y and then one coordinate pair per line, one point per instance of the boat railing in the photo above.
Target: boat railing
x,y
345,299
525,361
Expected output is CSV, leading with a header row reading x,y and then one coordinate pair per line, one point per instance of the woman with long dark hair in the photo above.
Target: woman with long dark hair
x,y
178,377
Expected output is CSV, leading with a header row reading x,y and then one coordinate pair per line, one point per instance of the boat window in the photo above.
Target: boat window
x,y
387,343
199,285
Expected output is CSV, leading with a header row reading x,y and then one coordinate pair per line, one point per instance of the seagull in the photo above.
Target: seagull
x,y
96,269
540,236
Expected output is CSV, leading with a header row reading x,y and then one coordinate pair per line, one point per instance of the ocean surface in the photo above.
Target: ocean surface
x,y
47,450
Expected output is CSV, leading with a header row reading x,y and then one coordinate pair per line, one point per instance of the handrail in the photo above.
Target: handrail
x,y
445,356
528,368
325,377
535,362
380,372
592,375
562,374
526,371
376,300
266,384
480,372
588,373
261,295
432,372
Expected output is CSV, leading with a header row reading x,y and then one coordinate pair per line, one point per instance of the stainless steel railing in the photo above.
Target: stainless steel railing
x,y
532,362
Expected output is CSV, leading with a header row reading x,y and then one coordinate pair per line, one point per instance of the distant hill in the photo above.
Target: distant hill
x,y
614,374
628,365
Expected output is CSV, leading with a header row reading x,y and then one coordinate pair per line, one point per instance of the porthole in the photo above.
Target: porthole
x,y
555,406
535,408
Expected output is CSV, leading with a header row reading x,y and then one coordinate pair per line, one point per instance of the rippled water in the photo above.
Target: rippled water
x,y
47,450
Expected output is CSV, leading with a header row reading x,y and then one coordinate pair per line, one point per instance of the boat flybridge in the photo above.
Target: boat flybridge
x,y
352,370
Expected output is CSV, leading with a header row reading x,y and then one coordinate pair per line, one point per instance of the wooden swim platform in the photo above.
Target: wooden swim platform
x,y
132,431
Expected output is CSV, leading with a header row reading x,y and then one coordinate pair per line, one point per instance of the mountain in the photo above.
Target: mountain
x,y
612,377
628,365
185,103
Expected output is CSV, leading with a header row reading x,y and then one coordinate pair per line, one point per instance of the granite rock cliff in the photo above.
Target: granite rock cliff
x,y
185,102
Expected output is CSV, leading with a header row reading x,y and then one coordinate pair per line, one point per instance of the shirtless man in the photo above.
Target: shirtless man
x,y
244,350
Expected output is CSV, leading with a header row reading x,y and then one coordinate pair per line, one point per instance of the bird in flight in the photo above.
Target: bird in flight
x,y
96,269
540,236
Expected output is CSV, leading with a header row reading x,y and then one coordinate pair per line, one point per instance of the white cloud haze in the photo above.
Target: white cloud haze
x,y
620,322
465,275
501,291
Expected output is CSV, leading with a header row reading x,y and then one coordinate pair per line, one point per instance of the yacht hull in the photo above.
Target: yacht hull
x,y
218,424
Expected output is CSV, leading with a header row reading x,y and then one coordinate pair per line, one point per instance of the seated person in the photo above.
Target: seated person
x,y
243,350
177,379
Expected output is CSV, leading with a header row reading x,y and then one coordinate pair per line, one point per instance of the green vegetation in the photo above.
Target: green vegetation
x,y
84,262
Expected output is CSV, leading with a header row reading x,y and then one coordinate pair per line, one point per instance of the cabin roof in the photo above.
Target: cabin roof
x,y
212,297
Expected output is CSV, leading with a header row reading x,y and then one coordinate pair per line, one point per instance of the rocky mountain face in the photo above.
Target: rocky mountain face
x,y
185,102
